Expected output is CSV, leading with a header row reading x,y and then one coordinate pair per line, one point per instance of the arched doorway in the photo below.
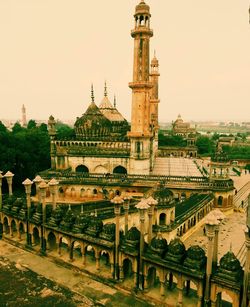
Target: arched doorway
x,y
6,225
119,170
36,237
151,278
82,169
220,201
13,227
51,241
127,268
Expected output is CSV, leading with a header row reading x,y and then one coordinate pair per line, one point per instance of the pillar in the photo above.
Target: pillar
x,y
210,231
9,177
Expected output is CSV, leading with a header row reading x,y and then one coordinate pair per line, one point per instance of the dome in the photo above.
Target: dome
x,y
179,120
176,247
133,234
196,258
230,263
142,8
81,223
93,124
159,245
195,252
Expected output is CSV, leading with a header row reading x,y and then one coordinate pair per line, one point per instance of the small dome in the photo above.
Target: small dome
x,y
133,234
95,226
176,247
159,245
230,263
195,252
142,8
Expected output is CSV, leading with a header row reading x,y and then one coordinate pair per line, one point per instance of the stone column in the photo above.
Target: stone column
x,y
219,216
9,177
37,180
53,184
142,206
43,187
151,202
126,209
117,201
27,185
215,247
211,223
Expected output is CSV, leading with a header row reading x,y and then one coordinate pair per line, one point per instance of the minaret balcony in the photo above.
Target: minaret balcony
x,y
141,84
142,30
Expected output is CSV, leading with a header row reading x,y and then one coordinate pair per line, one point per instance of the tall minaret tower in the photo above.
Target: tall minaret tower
x,y
141,133
154,101
24,120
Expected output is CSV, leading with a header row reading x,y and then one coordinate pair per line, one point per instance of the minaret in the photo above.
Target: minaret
x,y
154,101
141,134
24,120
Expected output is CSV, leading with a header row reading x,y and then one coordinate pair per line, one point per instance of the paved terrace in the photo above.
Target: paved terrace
x,y
176,167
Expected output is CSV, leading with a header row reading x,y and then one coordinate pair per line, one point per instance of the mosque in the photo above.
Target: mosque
x,y
131,206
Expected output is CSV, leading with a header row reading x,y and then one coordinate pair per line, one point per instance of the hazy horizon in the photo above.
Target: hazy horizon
x,y
51,52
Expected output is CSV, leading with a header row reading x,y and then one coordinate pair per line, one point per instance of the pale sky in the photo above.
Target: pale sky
x,y
52,50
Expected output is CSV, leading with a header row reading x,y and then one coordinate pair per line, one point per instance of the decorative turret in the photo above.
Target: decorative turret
x,y
230,267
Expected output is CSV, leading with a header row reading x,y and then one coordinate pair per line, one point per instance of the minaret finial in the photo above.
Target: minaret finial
x,y
114,101
154,53
92,93
105,89
231,246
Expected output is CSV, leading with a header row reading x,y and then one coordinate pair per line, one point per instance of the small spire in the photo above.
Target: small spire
x,y
81,208
105,89
231,246
69,207
114,101
154,54
95,212
92,94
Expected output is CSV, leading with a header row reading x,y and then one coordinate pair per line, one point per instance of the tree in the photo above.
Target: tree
x,y
204,145
31,124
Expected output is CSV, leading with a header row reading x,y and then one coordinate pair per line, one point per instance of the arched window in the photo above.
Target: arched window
x,y
120,170
82,169
162,219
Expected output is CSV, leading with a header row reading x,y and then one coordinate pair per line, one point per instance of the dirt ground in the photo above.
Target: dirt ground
x,y
19,286
27,279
